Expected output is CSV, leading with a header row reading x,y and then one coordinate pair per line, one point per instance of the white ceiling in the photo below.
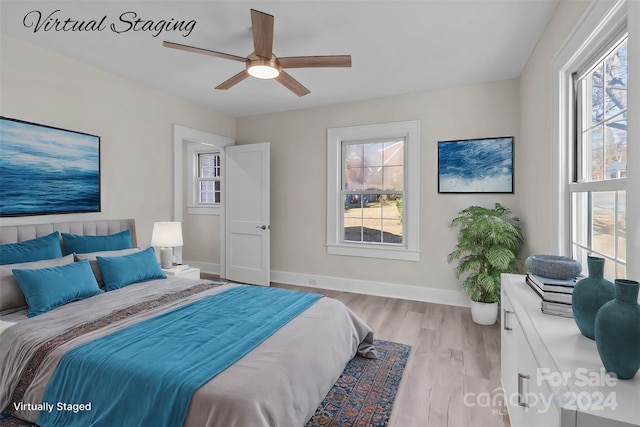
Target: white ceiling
x,y
396,46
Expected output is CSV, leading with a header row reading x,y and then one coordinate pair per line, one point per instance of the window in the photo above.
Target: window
x,y
596,207
373,190
208,181
372,195
203,179
598,188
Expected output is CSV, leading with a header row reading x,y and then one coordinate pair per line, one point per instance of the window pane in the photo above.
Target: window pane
x,y
373,218
603,205
206,198
352,201
372,230
392,219
594,139
209,192
373,152
597,95
610,268
621,271
393,178
580,214
616,148
622,226
616,80
216,194
354,155
373,178
209,165
394,153
353,229
353,178
352,218
373,166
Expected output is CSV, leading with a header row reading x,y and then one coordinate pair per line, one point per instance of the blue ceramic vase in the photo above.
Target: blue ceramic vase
x,y
589,295
618,331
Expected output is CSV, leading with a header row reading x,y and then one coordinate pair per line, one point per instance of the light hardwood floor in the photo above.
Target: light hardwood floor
x,y
452,377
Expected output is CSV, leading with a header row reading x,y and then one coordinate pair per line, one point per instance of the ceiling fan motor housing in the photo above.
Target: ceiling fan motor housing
x,y
263,68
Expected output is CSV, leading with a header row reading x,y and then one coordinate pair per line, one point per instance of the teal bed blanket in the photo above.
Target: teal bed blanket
x,y
146,374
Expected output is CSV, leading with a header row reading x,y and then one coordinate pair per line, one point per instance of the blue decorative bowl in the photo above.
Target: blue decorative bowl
x,y
553,266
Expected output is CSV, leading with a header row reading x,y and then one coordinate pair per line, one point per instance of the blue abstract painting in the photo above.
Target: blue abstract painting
x,y
476,166
46,170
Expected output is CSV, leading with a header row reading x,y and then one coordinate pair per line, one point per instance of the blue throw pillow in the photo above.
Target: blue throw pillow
x,y
74,243
48,288
118,272
47,247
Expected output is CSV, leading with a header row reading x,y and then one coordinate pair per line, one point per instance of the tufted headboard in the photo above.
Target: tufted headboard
x,y
19,233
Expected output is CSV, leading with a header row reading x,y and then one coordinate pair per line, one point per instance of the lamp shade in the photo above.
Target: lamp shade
x,y
166,234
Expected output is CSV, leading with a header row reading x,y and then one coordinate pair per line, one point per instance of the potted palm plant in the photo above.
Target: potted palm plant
x,y
489,244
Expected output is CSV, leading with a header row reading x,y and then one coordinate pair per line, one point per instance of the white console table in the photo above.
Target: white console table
x,y
551,374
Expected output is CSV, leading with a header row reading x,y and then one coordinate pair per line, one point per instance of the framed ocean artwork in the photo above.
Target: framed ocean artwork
x,y
47,170
482,165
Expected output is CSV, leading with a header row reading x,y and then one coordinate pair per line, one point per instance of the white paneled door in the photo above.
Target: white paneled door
x,y
247,235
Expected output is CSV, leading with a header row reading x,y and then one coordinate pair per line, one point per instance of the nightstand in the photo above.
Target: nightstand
x,y
189,273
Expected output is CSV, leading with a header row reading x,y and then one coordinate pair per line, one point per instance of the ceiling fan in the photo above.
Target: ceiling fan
x,y
262,63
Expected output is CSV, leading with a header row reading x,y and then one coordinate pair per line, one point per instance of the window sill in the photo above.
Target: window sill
x,y
203,210
401,253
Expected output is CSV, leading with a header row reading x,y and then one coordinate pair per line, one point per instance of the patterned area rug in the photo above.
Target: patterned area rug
x,y
362,396
365,392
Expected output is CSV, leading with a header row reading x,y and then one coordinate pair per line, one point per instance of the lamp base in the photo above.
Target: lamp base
x,y
166,257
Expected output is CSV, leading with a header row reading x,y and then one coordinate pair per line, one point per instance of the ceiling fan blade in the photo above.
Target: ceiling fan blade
x,y
262,25
315,61
203,51
292,84
233,80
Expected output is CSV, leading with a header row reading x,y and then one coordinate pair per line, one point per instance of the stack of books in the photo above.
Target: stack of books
x,y
554,293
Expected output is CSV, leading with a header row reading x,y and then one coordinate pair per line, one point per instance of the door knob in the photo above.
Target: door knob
x,y
262,227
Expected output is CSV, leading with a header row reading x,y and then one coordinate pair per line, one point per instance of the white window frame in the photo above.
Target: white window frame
x,y
193,205
581,173
216,178
410,249
601,24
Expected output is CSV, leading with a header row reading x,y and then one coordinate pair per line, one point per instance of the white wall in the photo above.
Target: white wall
x,y
135,124
536,100
298,182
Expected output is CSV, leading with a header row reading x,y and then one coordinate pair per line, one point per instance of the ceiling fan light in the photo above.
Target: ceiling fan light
x,y
263,71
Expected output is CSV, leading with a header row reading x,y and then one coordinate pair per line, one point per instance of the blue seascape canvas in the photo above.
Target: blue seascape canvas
x,y
47,170
476,166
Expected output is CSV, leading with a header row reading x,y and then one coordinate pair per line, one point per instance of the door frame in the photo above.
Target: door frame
x,y
182,136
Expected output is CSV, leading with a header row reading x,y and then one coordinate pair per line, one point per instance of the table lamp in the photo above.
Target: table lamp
x,y
166,235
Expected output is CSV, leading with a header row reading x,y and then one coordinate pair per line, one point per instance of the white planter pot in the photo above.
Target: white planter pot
x,y
484,313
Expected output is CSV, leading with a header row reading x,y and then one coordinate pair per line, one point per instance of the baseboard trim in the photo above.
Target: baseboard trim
x,y
205,267
382,289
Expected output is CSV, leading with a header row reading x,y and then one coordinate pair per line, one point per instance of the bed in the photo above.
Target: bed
x,y
56,366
